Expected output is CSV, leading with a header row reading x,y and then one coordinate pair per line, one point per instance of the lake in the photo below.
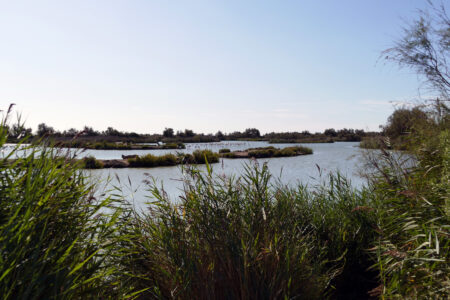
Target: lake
x,y
345,157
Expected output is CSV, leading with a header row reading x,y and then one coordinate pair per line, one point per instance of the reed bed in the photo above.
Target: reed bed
x,y
55,236
227,237
241,238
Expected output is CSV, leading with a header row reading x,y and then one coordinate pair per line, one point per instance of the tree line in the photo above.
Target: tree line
x,y
169,134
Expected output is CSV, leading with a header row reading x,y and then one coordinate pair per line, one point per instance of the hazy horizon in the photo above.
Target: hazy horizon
x,y
142,66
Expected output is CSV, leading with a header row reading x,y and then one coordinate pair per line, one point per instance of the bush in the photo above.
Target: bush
x,y
148,160
275,152
303,150
225,150
203,156
372,143
287,152
167,160
229,155
91,162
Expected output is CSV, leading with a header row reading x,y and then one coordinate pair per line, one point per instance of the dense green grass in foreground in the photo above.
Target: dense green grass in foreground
x,y
54,242
243,239
228,238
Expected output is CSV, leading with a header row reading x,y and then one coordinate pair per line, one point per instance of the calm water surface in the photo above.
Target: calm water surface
x,y
344,157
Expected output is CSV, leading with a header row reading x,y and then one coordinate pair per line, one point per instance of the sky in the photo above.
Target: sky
x,y
204,65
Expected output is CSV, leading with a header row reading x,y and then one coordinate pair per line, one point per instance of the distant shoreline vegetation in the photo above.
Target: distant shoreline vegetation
x,y
197,157
113,139
319,140
402,125
103,145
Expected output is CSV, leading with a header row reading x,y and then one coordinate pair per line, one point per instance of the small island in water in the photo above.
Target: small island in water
x,y
197,157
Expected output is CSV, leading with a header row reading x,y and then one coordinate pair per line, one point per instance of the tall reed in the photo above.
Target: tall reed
x,y
413,244
55,236
242,238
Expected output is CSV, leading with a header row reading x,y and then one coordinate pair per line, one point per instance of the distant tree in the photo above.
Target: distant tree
x,y
360,132
133,134
330,132
44,129
89,131
189,133
219,134
70,133
168,132
345,132
251,133
110,131
235,135
306,133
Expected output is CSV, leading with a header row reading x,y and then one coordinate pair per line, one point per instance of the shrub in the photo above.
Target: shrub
x,y
201,156
148,160
275,152
198,157
303,150
91,162
287,152
225,150
167,160
229,155
372,143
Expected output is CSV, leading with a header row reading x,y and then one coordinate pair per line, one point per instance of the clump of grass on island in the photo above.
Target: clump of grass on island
x,y
91,162
267,152
197,157
150,160
201,157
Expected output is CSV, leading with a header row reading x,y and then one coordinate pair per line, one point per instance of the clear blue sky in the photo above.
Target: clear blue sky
x,y
203,65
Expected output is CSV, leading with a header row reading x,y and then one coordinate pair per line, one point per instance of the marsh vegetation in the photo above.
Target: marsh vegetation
x,y
241,237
